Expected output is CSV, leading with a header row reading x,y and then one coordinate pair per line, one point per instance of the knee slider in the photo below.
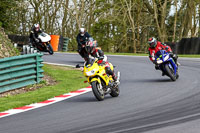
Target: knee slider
x,y
109,71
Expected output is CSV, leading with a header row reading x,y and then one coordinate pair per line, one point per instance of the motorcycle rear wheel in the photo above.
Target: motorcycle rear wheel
x,y
115,92
50,49
170,73
97,91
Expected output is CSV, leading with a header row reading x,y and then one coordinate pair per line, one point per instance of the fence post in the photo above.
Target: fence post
x,y
37,68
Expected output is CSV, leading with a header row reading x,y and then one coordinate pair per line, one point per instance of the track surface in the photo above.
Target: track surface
x,y
148,102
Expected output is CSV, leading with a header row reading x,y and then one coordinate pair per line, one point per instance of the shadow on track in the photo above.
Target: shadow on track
x,y
90,99
82,99
152,80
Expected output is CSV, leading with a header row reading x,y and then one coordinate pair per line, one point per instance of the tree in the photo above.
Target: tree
x,y
8,9
117,25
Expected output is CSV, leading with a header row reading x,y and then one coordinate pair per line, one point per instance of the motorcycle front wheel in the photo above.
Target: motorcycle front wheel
x,y
97,91
50,49
170,72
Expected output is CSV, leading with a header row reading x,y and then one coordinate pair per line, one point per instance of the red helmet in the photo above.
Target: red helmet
x,y
152,42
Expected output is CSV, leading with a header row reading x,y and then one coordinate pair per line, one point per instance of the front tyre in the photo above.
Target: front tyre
x,y
50,49
97,91
170,72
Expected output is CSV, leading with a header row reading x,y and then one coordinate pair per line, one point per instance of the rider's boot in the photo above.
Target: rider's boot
x,y
156,67
114,77
175,57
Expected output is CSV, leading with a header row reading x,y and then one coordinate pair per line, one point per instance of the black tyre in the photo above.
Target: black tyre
x,y
50,49
97,91
177,75
170,72
115,92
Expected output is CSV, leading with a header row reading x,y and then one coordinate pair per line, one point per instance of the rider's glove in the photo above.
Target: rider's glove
x,y
78,50
100,58
155,62
37,40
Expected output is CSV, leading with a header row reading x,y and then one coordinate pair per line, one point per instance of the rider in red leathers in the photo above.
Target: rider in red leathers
x,y
155,46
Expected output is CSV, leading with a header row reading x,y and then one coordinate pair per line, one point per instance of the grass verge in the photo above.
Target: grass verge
x,y
68,79
190,56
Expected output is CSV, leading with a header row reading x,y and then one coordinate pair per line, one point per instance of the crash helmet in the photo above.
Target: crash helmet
x,y
36,27
82,31
91,45
152,42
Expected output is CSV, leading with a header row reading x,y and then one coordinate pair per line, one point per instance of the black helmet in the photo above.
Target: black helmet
x,y
152,42
36,27
91,45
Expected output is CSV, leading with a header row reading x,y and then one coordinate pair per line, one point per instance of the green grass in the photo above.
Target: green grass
x,y
68,79
190,56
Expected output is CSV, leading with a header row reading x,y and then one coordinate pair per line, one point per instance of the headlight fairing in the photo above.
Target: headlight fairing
x,y
91,73
166,57
159,61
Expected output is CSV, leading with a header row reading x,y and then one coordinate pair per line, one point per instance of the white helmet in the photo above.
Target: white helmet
x,y
82,31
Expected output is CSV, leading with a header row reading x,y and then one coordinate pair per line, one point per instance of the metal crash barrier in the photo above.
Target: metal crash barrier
x,y
20,71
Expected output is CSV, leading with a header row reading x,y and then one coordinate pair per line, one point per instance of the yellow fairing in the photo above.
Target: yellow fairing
x,y
95,72
95,79
111,67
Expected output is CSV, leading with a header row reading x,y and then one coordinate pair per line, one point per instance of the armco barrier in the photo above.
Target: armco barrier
x,y
20,71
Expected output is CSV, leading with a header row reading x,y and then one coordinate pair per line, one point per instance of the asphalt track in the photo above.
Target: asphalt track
x,y
148,102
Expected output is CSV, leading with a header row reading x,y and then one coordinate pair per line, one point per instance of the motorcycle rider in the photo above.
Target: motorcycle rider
x,y
35,30
155,46
81,39
102,59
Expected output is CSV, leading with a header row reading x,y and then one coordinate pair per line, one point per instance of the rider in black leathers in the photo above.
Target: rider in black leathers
x,y
35,30
81,39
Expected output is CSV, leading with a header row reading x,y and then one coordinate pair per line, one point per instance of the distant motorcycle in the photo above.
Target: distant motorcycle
x,y
83,52
44,43
167,65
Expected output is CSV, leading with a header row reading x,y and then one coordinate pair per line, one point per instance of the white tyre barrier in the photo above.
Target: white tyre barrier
x,y
27,49
15,45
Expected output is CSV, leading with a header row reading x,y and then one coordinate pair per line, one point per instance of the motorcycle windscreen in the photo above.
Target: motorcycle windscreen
x,y
44,37
89,62
160,53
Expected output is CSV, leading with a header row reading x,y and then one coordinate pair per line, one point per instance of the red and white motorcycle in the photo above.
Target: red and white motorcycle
x,y
44,43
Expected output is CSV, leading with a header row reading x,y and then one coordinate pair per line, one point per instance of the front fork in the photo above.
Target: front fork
x,y
98,80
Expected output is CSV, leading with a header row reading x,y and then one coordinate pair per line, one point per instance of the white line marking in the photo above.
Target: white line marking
x,y
38,105
57,64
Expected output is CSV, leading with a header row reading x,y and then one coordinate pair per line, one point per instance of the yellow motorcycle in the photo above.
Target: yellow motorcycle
x,y
101,83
